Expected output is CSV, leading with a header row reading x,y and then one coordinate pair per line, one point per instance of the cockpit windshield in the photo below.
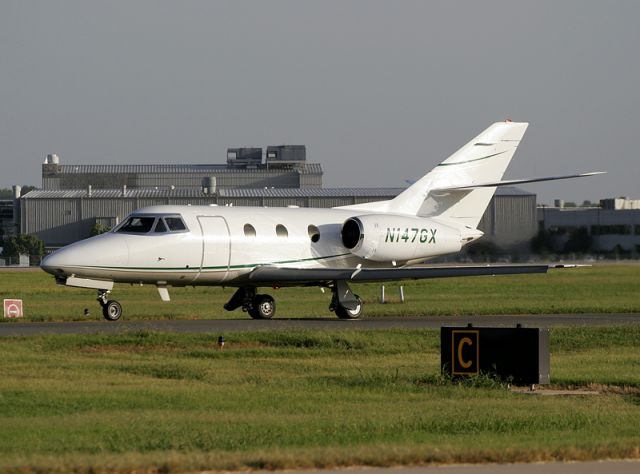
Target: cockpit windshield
x,y
137,225
155,224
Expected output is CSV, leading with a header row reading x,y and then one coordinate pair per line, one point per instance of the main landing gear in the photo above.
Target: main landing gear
x,y
344,303
258,306
111,309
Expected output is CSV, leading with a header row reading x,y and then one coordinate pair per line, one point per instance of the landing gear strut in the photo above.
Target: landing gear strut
x,y
258,306
344,302
111,309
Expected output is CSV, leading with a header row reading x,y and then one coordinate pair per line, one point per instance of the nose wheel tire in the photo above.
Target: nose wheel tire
x,y
112,310
344,313
264,307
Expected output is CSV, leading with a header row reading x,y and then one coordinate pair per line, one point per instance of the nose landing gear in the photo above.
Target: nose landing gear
x,y
111,309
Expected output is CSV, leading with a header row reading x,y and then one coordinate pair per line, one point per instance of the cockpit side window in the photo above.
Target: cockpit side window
x,y
137,225
175,224
160,227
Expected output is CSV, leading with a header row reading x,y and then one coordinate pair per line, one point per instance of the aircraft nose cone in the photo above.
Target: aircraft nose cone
x,y
59,263
106,250
52,263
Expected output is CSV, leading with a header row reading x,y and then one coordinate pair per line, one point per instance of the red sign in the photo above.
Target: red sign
x,y
13,308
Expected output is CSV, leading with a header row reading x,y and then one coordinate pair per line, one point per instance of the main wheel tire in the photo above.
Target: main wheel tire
x,y
264,307
344,313
112,310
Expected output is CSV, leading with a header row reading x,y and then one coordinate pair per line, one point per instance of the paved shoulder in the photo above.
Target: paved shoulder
x,y
593,467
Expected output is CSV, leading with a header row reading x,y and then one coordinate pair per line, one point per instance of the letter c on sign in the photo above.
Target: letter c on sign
x,y
465,364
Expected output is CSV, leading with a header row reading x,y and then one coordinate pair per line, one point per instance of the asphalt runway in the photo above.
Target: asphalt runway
x,y
234,325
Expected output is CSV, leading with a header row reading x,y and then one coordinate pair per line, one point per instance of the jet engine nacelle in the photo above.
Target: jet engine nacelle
x,y
386,238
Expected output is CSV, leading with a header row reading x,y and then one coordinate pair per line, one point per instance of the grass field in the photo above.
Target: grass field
x,y
601,288
167,403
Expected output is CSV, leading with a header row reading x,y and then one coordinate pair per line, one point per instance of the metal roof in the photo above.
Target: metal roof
x,y
303,168
113,193
236,193
309,192
197,193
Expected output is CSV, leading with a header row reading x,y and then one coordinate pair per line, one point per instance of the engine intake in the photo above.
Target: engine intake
x,y
352,233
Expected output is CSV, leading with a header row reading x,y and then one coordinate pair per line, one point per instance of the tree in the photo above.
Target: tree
x,y
27,188
98,229
23,244
483,250
579,242
542,243
6,193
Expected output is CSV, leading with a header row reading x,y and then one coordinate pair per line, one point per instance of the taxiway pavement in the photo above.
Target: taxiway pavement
x,y
322,324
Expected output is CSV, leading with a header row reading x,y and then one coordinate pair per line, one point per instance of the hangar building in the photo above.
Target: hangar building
x,y
614,225
284,166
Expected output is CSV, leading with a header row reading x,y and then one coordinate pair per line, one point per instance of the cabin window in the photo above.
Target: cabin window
x,y
249,231
175,224
281,231
137,225
160,226
314,233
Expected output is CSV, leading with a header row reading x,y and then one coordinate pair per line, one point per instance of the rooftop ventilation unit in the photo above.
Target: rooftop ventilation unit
x,y
244,157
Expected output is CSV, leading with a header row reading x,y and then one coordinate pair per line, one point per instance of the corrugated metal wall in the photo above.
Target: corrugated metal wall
x,y
510,222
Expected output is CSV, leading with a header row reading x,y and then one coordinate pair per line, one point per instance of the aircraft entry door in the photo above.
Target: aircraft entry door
x,y
216,248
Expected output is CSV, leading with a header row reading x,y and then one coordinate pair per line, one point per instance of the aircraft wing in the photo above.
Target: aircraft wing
x,y
308,276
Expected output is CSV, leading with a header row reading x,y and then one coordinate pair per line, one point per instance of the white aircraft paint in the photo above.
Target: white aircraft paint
x,y
248,247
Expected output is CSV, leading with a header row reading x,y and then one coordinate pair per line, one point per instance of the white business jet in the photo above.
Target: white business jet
x,y
249,247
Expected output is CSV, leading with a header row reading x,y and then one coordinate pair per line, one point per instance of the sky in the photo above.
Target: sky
x,y
379,91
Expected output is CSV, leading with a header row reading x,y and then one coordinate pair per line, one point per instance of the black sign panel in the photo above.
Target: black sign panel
x,y
517,354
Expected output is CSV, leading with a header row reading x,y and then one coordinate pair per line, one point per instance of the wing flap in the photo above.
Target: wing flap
x,y
307,276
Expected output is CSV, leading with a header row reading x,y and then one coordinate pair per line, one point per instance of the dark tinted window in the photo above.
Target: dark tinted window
x,y
138,225
175,224
160,227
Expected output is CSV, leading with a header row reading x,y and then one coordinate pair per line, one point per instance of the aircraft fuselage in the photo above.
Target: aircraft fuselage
x,y
221,245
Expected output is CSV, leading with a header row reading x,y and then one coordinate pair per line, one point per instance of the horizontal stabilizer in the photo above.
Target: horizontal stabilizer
x,y
295,276
510,182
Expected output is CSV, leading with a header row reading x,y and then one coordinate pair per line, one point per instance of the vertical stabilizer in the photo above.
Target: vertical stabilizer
x,y
484,159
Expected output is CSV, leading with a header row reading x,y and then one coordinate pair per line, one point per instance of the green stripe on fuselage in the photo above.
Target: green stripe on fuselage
x,y
220,267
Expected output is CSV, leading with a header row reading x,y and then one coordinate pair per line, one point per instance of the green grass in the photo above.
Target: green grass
x,y
601,288
172,402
